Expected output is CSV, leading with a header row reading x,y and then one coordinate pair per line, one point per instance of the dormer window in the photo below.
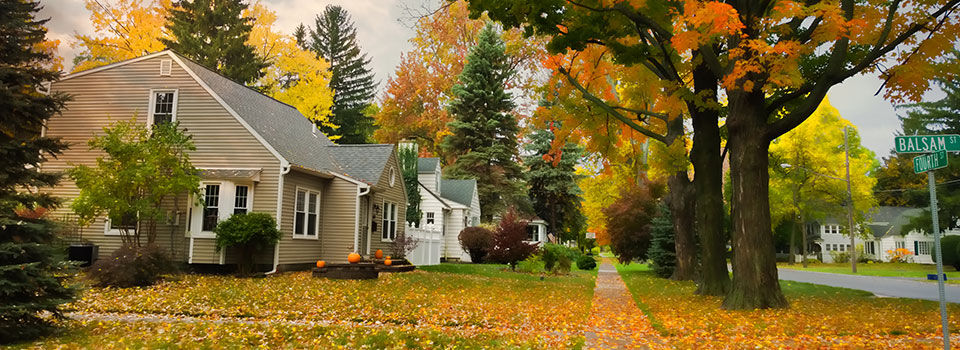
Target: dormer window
x,y
163,106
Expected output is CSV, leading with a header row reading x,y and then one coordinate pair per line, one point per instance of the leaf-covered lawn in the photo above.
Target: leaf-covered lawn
x,y
478,299
881,269
819,316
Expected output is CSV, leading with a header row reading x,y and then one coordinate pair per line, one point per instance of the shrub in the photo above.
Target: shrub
x,y
250,233
131,266
477,241
628,223
840,257
552,252
563,265
950,246
662,252
403,245
900,255
586,262
508,241
531,264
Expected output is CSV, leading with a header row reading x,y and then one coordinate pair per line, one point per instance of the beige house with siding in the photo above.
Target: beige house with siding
x,y
256,154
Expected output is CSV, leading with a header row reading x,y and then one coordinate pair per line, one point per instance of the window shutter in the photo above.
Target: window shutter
x,y
165,67
916,248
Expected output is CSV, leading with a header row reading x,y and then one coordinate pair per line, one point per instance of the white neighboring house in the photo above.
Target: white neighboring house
x,y
885,226
537,231
451,204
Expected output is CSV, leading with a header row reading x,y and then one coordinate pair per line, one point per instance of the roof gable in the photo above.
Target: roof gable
x,y
460,191
363,162
427,165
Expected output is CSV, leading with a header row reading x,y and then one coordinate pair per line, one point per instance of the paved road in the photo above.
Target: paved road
x,y
880,286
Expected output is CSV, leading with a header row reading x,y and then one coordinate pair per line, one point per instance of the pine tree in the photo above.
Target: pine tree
x,y
335,39
662,251
553,185
408,165
484,139
214,33
29,263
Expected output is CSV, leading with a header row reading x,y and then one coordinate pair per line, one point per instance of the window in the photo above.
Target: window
x,y
870,248
901,245
843,247
923,247
211,210
430,219
163,107
389,221
833,229
306,214
241,200
128,222
393,176
533,233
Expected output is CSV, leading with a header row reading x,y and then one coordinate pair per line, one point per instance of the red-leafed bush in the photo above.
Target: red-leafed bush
x,y
508,240
629,223
477,241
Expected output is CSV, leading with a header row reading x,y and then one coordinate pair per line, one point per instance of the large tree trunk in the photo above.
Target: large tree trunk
x,y
682,207
755,281
708,182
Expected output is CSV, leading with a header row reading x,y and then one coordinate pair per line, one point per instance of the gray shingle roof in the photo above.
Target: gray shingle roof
x,y
427,165
363,162
460,191
291,134
884,221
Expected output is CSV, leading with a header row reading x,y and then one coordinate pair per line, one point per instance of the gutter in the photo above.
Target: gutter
x,y
362,190
284,170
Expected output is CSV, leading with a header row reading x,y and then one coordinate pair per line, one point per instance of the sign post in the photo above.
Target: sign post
x,y
935,149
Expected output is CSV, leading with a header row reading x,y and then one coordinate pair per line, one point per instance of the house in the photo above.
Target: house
x,y
256,154
448,203
886,234
537,231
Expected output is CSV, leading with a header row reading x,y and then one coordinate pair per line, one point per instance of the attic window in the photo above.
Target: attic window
x,y
165,67
393,176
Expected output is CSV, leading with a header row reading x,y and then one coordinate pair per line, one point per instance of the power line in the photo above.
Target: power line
x,y
919,188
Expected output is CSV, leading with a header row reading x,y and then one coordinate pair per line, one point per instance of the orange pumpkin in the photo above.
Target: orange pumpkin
x,y
353,258
388,262
321,263
379,254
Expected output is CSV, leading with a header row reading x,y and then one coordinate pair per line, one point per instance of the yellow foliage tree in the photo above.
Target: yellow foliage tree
x,y
128,29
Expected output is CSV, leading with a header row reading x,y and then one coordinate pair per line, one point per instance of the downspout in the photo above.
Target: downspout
x,y
361,191
284,170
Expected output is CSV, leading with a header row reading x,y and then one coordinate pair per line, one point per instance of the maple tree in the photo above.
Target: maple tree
x,y
124,30
413,104
800,162
774,62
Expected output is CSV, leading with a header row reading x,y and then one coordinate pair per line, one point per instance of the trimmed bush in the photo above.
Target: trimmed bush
x,y
552,252
250,233
950,245
131,266
586,262
477,241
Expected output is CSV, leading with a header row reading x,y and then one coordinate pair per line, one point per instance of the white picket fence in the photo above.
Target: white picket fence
x,y
430,245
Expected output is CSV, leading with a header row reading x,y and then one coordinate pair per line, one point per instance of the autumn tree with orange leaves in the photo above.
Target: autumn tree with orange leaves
x,y
773,61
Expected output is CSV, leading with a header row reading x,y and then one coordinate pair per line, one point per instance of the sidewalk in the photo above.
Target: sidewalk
x,y
615,321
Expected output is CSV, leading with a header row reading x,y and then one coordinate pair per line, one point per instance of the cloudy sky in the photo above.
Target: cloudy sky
x,y
383,37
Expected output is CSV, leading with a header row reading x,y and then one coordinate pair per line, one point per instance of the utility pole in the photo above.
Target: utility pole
x,y
853,244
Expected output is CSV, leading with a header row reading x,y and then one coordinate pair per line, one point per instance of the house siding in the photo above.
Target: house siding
x,y
453,224
297,250
120,93
384,192
339,217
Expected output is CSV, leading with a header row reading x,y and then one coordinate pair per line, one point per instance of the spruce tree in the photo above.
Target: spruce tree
x,y
334,38
31,268
663,256
484,129
214,33
553,185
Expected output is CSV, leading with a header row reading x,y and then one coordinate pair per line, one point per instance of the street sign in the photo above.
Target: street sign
x,y
927,143
930,161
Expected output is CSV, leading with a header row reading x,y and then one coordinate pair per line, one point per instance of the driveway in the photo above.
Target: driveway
x,y
880,286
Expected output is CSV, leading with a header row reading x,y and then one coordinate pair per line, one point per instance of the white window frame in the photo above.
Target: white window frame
x,y
108,231
924,247
228,193
153,104
306,215
393,176
220,206
429,216
386,236
249,202
900,245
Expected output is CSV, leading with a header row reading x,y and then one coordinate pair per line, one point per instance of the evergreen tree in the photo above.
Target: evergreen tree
x,y
300,35
408,166
897,184
662,251
335,39
484,139
214,33
553,191
29,263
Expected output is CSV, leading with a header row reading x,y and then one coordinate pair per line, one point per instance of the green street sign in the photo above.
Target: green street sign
x,y
930,161
927,143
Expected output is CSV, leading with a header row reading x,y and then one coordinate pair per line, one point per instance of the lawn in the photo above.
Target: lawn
x,y
449,305
881,269
818,317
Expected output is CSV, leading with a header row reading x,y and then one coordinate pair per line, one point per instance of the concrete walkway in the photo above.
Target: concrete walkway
x,y
615,321
880,286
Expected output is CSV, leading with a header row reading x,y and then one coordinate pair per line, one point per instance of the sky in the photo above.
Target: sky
x,y
383,38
